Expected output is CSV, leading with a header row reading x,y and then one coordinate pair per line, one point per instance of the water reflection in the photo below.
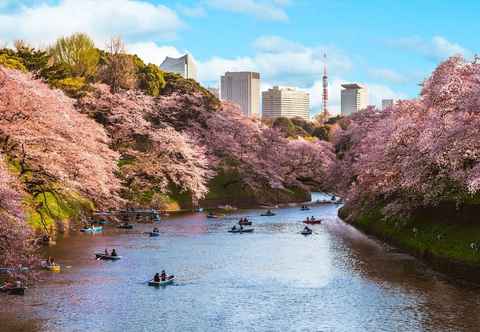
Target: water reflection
x,y
271,280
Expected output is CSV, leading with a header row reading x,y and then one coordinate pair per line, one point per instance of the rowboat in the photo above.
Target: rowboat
x,y
125,226
306,232
267,214
214,216
245,223
93,229
12,290
248,230
53,268
312,222
107,257
169,281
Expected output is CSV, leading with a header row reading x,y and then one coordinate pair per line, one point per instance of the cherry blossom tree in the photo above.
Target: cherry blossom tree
x,y
157,156
16,240
421,152
53,146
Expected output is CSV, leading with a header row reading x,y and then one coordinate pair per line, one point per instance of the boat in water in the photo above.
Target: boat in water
x,y
306,232
125,226
227,207
53,268
214,216
238,230
312,222
268,214
170,280
13,289
92,229
245,223
102,256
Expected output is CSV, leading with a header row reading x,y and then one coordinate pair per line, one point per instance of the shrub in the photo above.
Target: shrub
x,y
12,62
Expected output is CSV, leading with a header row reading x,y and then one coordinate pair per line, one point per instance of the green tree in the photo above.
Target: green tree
x,y
322,132
151,80
12,62
117,67
78,52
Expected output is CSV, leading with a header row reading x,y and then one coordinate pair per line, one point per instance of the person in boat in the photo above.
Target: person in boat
x,y
312,218
106,252
269,211
163,276
156,277
307,229
114,253
155,230
241,227
308,219
234,228
50,261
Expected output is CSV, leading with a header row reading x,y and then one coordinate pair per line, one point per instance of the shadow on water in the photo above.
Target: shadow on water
x,y
271,280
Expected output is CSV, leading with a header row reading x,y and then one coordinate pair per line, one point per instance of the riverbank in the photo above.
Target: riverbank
x,y
447,244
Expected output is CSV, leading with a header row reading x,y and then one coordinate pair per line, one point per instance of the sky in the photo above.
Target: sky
x,y
390,46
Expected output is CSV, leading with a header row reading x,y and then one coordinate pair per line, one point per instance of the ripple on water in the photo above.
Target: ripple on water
x,y
271,280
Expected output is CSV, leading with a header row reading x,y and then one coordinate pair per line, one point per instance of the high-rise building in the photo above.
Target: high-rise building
x,y
242,88
285,102
354,97
387,103
184,66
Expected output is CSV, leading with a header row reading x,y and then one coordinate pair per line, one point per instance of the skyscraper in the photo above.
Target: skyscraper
x,y
387,103
354,97
184,66
242,88
285,102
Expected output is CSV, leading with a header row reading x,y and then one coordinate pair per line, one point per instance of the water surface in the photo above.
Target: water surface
x,y
271,280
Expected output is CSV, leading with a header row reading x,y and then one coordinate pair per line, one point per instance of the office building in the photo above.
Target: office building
x,y
242,88
184,66
354,97
387,103
285,102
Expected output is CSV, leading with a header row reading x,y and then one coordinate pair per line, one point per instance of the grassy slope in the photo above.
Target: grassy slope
x,y
55,210
450,241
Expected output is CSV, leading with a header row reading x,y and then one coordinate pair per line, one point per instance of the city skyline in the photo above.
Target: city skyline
x,y
276,38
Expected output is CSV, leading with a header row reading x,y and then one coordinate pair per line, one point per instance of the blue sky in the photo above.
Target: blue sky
x,y
390,46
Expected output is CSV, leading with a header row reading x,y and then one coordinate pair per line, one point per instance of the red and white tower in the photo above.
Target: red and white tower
x,y
325,88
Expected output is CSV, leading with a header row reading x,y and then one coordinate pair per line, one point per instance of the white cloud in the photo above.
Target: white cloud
x,y
438,48
212,69
101,19
275,44
150,52
194,11
281,60
262,9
